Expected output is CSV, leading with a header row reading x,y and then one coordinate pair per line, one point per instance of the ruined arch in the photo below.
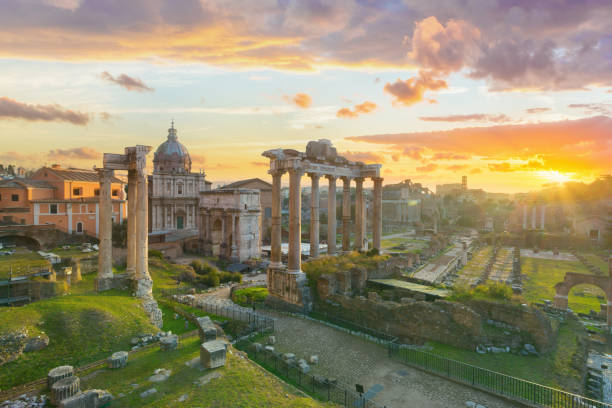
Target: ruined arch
x,y
573,279
21,240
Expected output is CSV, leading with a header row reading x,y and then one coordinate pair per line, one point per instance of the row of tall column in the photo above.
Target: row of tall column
x,y
294,256
137,235
534,216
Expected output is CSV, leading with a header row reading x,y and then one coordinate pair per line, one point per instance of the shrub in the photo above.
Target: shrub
x,y
211,279
491,290
187,275
203,268
154,253
247,296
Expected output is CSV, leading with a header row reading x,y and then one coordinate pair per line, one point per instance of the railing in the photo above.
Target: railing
x,y
497,383
316,386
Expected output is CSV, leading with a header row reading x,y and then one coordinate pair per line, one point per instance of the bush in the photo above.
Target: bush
x,y
154,253
211,279
188,275
203,268
246,296
491,290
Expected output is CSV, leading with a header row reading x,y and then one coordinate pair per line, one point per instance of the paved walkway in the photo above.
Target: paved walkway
x,y
351,360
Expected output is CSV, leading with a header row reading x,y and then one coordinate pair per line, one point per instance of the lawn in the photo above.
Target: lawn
x,y
596,261
543,274
469,274
178,326
554,369
21,262
403,244
239,384
81,329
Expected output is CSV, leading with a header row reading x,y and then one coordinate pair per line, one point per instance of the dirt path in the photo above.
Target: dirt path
x,y
351,360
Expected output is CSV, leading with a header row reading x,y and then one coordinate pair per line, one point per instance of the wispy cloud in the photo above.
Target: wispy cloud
x,y
475,117
301,100
362,108
79,153
537,110
127,82
12,109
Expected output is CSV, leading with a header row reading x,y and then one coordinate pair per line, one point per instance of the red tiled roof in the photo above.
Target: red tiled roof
x,y
79,175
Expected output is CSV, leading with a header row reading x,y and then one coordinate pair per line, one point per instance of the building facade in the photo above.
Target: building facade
x,y
265,199
64,197
174,190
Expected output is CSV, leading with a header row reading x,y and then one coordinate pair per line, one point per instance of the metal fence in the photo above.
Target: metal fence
x,y
316,386
491,381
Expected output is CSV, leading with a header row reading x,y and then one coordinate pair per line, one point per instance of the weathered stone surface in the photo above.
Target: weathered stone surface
x,y
168,343
12,344
36,343
304,367
64,388
269,349
314,359
148,392
160,375
271,340
257,347
212,354
206,329
59,373
80,400
118,359
149,304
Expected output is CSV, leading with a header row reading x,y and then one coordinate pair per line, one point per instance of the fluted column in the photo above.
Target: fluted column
x,y
295,221
142,245
314,215
534,216
331,215
524,216
377,221
346,214
275,241
543,218
359,214
131,232
105,255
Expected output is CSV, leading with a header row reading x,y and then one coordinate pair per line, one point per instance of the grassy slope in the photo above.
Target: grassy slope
x,y
81,328
21,262
553,368
241,384
543,274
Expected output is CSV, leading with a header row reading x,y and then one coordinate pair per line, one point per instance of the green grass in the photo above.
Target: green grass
x,y
596,261
543,274
81,329
176,326
474,268
554,369
164,273
21,262
246,296
408,244
241,383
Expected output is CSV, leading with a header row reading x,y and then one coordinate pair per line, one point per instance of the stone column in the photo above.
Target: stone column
x,y
331,215
377,222
105,255
276,237
295,221
534,215
543,218
131,232
314,215
234,236
359,214
524,216
143,280
346,214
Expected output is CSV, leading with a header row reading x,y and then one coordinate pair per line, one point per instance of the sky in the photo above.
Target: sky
x,y
513,94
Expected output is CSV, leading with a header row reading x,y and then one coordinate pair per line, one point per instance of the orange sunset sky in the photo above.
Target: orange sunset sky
x,y
514,94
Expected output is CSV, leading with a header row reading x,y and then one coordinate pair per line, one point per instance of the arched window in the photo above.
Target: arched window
x,y
79,227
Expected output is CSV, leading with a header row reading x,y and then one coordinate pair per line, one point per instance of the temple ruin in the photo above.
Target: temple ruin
x,y
134,161
288,284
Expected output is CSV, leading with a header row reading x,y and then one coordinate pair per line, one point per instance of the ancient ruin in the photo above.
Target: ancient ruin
x,y
134,161
288,284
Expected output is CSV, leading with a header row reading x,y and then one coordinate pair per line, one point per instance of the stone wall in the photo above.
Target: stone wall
x,y
461,325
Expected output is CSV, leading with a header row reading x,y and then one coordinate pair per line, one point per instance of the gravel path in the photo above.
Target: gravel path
x,y
351,360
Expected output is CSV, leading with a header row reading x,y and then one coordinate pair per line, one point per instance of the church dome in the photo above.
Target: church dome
x,y
171,156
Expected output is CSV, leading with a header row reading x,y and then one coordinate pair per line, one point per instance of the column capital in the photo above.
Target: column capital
x,y
277,172
377,179
346,179
298,171
314,175
359,180
104,172
331,177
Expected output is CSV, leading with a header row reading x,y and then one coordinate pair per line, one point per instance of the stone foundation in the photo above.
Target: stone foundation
x,y
152,310
289,290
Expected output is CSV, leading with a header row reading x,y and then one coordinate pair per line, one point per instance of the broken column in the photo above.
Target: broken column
x,y
65,388
104,280
131,228
118,359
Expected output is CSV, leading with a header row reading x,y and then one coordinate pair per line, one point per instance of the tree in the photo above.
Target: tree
x,y
11,170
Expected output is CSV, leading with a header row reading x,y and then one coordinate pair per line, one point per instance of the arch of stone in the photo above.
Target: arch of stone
x,y
572,279
287,285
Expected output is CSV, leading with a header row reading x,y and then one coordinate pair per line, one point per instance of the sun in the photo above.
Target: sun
x,y
555,176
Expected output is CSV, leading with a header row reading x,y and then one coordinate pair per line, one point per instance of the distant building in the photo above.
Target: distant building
x,y
591,227
64,197
265,198
452,188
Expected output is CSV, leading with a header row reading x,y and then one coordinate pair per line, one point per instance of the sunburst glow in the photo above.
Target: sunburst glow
x,y
555,176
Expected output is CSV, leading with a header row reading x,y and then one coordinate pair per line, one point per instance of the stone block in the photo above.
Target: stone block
x,y
148,392
314,359
64,388
168,343
212,354
269,349
288,356
206,329
87,399
257,347
271,340
58,373
304,367
118,359
36,343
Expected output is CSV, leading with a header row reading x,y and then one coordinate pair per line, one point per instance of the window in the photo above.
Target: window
x,y
15,197
268,212
594,235
53,208
180,189
0,197
79,227
115,193
97,192
23,221
168,186
76,191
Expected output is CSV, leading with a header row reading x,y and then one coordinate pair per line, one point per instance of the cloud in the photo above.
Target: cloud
x,y
300,99
363,108
197,160
504,167
475,117
413,89
427,168
12,109
105,116
593,108
475,171
127,82
449,156
570,145
443,49
413,152
79,153
260,164
366,157
17,157
456,167
537,110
